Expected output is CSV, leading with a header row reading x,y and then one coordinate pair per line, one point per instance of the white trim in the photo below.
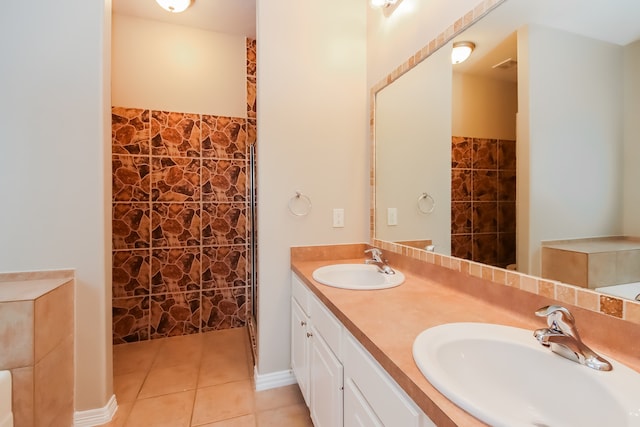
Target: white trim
x,y
96,417
274,379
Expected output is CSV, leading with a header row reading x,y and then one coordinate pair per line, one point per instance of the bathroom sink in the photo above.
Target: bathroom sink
x,y
504,377
356,276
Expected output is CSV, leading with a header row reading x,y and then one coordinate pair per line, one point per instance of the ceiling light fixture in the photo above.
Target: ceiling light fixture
x,y
461,51
383,3
174,6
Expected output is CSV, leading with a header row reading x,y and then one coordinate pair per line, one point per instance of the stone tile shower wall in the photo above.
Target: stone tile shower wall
x,y
180,220
483,200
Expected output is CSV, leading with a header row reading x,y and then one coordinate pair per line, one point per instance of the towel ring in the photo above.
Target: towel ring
x,y
303,203
426,204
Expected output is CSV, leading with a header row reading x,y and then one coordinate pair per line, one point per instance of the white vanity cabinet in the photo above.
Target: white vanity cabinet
x,y
300,347
315,356
377,399
342,383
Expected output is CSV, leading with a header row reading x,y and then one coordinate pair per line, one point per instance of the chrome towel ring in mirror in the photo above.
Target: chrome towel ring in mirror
x,y
426,203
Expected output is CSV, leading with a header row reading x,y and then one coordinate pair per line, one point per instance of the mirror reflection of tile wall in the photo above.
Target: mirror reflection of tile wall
x,y
483,200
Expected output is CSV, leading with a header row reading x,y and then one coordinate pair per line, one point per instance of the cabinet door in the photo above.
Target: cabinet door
x,y
326,384
300,348
357,412
389,402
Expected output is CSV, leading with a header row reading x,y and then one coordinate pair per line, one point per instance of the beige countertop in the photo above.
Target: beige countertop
x,y
387,321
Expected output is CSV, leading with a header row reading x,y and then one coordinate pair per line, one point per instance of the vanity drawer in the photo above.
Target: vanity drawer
x,y
300,293
391,405
327,325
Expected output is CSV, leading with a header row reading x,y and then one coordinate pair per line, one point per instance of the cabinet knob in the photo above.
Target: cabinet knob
x,y
303,323
309,334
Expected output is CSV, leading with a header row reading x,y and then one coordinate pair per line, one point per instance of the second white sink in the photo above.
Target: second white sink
x,y
357,277
504,377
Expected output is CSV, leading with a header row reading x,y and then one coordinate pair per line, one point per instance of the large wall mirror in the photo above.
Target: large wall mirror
x,y
534,138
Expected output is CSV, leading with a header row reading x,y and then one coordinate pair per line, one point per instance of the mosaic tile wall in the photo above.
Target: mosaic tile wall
x,y
180,220
483,200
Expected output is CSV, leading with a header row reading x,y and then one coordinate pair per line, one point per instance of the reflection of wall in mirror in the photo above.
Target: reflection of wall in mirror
x,y
412,160
570,148
631,199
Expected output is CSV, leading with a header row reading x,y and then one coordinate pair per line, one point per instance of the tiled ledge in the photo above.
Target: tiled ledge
x,y
25,286
37,340
584,298
36,275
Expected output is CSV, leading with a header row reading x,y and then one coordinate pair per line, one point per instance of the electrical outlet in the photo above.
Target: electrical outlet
x,y
338,217
392,216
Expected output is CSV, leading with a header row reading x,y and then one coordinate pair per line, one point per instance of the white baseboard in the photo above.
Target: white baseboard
x,y
95,417
274,379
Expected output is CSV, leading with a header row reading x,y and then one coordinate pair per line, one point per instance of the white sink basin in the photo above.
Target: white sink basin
x,y
504,377
356,276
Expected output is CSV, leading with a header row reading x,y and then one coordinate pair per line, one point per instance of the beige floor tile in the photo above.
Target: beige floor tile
x,y
221,402
181,350
134,357
278,397
289,416
127,386
169,380
219,370
170,410
244,421
226,341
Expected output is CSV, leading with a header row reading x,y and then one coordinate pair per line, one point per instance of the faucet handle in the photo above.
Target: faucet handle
x,y
559,318
376,253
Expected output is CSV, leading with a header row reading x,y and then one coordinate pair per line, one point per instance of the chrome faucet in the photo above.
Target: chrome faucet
x,y
562,338
376,258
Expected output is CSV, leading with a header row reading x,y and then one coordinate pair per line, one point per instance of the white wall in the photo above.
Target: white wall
x,y
631,199
55,165
312,116
413,153
484,107
574,89
169,67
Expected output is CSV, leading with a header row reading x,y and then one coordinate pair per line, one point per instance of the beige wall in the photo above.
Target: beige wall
x,y
55,165
413,153
167,67
631,199
312,116
574,140
484,107
316,66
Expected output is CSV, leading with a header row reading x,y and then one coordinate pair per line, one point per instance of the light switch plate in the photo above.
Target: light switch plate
x,y
392,216
338,217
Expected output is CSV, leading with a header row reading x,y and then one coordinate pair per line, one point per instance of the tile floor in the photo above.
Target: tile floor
x,y
198,380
